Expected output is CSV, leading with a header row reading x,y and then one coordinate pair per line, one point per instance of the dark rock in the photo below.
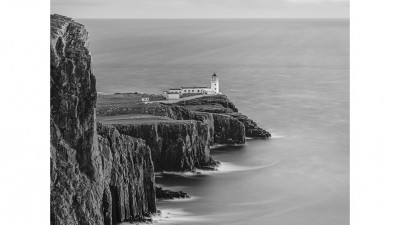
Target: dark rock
x,y
168,194
73,89
94,178
220,104
181,145
252,130
224,129
128,172
228,130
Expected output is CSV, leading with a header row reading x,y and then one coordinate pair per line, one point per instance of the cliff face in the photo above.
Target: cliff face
x,y
252,129
73,88
123,188
179,144
228,130
127,174
95,179
220,104
176,146
223,129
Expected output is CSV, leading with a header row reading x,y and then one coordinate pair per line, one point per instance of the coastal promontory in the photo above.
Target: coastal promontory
x,y
105,149
179,133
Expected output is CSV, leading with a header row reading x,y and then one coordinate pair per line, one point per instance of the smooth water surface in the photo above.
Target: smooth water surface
x,y
290,76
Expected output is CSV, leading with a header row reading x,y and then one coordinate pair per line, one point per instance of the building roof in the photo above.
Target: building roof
x,y
175,88
194,87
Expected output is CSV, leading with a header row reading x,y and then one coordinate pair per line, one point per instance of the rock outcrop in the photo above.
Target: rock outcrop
x,y
176,145
73,88
224,128
127,173
168,194
220,104
251,127
228,130
189,109
98,176
181,143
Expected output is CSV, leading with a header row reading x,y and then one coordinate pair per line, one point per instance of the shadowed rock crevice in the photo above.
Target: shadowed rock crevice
x,y
115,205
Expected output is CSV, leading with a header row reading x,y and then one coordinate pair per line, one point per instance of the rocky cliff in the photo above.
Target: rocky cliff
x,y
177,145
181,143
127,174
228,130
220,104
73,89
224,129
98,176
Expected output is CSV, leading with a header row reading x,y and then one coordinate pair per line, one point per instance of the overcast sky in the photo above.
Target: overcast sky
x,y
201,8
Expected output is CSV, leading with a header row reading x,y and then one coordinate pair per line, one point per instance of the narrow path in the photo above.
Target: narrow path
x,y
183,99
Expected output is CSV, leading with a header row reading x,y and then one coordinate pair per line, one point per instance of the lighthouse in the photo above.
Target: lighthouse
x,y
215,83
175,93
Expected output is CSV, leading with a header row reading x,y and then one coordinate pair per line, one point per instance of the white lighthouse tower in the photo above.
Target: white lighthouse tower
x,y
215,84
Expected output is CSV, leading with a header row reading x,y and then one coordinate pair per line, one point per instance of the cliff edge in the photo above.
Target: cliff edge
x,y
98,176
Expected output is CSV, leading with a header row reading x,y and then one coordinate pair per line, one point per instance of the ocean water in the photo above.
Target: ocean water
x,y
290,76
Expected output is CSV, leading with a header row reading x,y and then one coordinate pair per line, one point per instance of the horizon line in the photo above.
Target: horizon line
x,y
201,18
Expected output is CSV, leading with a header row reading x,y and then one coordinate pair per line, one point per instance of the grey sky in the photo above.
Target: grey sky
x,y
201,8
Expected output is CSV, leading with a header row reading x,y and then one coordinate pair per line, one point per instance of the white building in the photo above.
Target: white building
x,y
214,89
175,90
171,95
215,84
145,99
192,90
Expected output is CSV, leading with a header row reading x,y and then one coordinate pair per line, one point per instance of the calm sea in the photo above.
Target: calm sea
x,y
290,76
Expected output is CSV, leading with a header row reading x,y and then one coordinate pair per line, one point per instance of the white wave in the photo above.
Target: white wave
x,y
176,216
224,167
216,146
172,216
185,174
230,167
192,198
